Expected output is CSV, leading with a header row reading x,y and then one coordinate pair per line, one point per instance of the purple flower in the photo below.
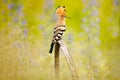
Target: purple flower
x,y
49,4
54,17
95,13
84,20
10,6
16,19
116,2
115,34
87,29
41,27
25,32
93,2
24,22
93,23
19,11
42,17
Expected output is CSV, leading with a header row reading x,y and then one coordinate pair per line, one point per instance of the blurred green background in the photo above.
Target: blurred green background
x,y
92,38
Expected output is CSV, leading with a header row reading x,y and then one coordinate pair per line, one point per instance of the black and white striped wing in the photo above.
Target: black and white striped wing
x,y
58,32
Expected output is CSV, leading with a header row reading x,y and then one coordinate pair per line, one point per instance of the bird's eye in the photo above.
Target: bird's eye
x,y
65,10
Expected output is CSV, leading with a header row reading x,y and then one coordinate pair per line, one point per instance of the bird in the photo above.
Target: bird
x,y
60,26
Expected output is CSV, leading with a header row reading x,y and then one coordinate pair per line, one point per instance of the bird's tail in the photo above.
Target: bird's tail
x,y
51,47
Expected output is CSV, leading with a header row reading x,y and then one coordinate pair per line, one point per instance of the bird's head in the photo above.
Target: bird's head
x,y
61,11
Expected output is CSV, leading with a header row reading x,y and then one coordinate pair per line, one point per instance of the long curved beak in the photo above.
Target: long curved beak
x,y
68,17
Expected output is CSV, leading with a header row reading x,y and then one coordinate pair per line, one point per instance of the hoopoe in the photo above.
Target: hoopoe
x,y
60,26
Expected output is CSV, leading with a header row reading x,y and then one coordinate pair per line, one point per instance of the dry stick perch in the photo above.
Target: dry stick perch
x,y
57,47
68,59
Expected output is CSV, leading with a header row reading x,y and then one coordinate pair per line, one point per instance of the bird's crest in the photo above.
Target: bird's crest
x,y
60,10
